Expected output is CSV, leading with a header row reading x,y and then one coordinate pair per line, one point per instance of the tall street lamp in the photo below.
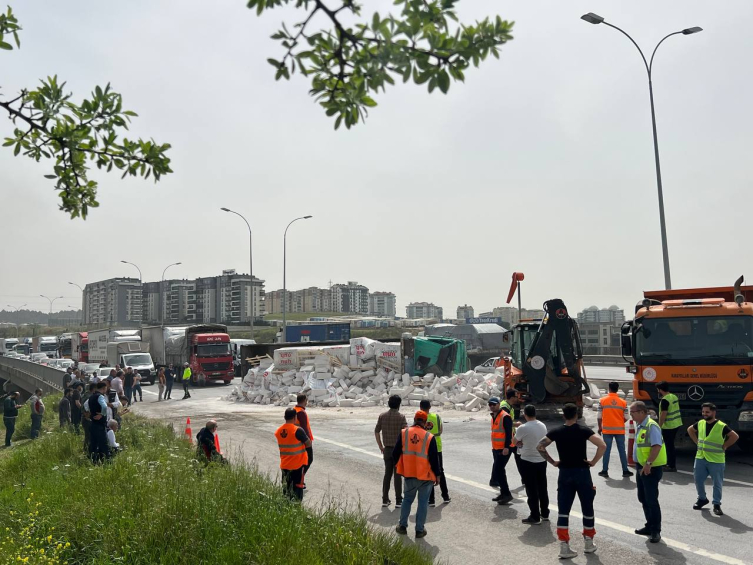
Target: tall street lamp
x,y
135,265
162,291
284,278
595,19
16,308
250,266
52,301
82,296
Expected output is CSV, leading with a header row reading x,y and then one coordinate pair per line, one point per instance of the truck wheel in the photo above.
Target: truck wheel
x,y
202,380
227,382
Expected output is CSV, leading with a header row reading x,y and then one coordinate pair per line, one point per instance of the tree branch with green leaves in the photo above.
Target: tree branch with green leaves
x,y
349,63
76,135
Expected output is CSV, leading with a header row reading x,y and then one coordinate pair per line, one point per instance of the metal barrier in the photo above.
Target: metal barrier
x,y
30,376
604,360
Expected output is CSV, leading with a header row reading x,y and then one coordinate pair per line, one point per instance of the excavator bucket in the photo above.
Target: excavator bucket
x,y
559,334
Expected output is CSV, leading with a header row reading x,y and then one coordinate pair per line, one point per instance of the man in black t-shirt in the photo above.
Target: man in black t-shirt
x,y
574,476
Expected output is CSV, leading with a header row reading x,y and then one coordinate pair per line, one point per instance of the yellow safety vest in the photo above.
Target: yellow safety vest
x,y
711,447
186,373
674,418
508,407
436,427
643,446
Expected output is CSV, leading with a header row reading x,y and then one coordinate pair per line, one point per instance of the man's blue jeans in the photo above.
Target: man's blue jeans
x,y
423,489
620,440
703,469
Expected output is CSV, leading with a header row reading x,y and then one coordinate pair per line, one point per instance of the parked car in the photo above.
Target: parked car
x,y
487,366
38,357
104,372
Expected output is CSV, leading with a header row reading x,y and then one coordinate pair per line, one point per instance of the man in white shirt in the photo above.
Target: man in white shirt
x,y
112,426
533,466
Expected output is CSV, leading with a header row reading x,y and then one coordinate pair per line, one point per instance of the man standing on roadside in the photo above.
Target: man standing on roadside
x,y
128,385
670,421
574,477
533,466
64,409
67,377
501,449
416,456
292,441
650,455
303,421
76,407
436,427
169,378
10,413
37,413
186,380
510,402
390,424
713,438
612,415
98,429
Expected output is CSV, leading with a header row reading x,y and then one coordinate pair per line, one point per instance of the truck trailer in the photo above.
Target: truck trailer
x,y
205,347
45,344
7,345
98,340
304,333
80,347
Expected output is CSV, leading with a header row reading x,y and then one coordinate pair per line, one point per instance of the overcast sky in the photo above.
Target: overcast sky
x,y
542,162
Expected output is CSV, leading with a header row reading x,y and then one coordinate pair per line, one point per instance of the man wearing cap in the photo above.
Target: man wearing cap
x,y
415,455
435,426
186,380
501,449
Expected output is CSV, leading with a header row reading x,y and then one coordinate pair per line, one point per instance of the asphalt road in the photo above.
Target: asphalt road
x,y
347,471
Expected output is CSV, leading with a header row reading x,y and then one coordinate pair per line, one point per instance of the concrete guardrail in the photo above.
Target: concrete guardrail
x,y
30,376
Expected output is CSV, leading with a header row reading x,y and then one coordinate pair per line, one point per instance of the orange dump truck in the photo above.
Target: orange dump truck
x,y
700,341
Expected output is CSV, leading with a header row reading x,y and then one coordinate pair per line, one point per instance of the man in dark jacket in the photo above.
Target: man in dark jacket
x,y
169,380
10,413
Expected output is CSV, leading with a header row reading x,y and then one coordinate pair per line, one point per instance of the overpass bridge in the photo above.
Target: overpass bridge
x,y
26,376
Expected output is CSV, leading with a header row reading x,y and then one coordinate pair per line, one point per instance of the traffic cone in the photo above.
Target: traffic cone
x,y
631,442
217,444
189,433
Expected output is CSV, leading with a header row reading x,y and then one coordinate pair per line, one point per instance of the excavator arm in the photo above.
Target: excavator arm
x,y
555,349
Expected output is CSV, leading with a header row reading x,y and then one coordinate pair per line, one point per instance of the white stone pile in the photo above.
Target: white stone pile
x,y
362,374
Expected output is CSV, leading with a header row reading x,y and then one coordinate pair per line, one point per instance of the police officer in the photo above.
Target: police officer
x,y
650,455
435,425
186,380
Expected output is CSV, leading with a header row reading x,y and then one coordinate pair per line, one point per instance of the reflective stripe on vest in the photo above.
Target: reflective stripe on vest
x,y
498,431
643,446
307,429
414,460
674,417
711,447
292,452
612,414
436,427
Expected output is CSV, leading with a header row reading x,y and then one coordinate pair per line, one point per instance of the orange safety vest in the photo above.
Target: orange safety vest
x,y
498,430
293,454
414,461
307,429
612,414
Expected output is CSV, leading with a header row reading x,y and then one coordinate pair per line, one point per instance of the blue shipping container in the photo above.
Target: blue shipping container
x,y
318,332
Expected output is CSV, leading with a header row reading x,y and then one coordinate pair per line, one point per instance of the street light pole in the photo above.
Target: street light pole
x,y
284,279
16,308
250,266
137,268
82,296
162,291
595,19
52,301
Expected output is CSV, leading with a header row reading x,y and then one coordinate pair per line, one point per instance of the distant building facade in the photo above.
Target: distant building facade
x,y
511,316
382,304
612,315
416,310
464,312
113,301
351,298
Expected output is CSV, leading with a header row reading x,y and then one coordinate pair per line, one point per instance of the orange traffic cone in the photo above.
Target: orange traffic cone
x,y
189,433
217,444
631,442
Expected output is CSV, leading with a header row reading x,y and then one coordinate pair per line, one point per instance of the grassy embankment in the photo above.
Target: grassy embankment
x,y
155,504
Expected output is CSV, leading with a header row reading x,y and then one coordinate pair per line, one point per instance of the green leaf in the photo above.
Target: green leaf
x,y
6,46
50,176
443,81
368,101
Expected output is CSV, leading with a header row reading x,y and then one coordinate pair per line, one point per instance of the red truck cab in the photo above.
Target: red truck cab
x,y
211,358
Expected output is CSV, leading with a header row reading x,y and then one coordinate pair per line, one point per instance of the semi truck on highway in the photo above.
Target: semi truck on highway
x,y
45,344
65,346
7,344
80,347
205,347
134,354
98,340
700,341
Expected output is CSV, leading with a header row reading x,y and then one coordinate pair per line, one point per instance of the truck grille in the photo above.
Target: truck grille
x,y
724,395
216,366
144,372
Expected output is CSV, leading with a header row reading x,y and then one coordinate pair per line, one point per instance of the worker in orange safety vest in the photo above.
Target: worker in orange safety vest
x,y
612,416
415,454
293,442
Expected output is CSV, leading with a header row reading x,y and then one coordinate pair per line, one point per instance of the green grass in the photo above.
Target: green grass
x,y
155,504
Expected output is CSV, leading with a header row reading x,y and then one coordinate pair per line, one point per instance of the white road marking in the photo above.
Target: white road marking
x,y
599,522
726,480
